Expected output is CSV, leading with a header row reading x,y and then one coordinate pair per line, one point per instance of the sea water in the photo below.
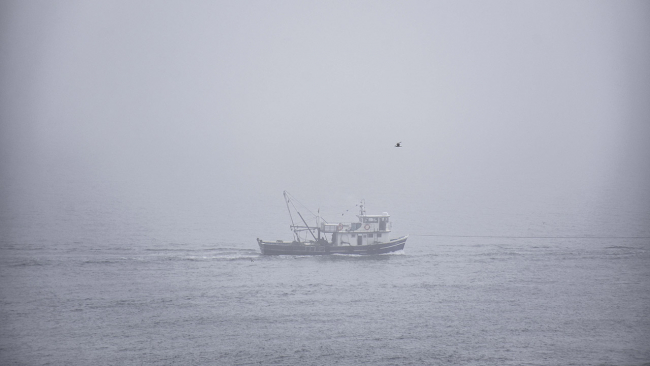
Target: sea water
x,y
108,290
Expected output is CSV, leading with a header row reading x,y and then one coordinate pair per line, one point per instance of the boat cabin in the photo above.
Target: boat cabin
x,y
371,229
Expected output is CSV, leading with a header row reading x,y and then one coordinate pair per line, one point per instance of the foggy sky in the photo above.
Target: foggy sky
x,y
507,102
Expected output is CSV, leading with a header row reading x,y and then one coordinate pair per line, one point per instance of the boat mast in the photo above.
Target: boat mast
x,y
307,226
293,225
318,224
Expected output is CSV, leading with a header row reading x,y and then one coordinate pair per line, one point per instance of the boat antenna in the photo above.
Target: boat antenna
x,y
361,207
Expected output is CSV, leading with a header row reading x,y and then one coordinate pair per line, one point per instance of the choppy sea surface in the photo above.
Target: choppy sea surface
x,y
445,300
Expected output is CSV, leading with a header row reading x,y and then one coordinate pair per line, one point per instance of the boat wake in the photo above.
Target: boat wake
x,y
219,254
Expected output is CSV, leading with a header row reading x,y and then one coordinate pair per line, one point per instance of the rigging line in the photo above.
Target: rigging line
x,y
303,220
537,237
287,202
300,203
304,208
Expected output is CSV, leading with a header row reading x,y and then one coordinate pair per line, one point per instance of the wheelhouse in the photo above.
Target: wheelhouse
x,y
370,229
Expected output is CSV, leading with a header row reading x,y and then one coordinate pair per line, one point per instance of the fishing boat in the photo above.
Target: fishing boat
x,y
368,236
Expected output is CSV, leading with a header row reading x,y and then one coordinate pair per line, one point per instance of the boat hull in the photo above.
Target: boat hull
x,y
282,248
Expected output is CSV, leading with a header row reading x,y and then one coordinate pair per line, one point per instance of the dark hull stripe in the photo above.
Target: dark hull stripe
x,y
270,248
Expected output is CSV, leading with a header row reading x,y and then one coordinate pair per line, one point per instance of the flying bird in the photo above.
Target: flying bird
x,y
399,144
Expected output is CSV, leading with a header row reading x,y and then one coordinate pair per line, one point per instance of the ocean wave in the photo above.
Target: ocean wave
x,y
28,262
219,249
